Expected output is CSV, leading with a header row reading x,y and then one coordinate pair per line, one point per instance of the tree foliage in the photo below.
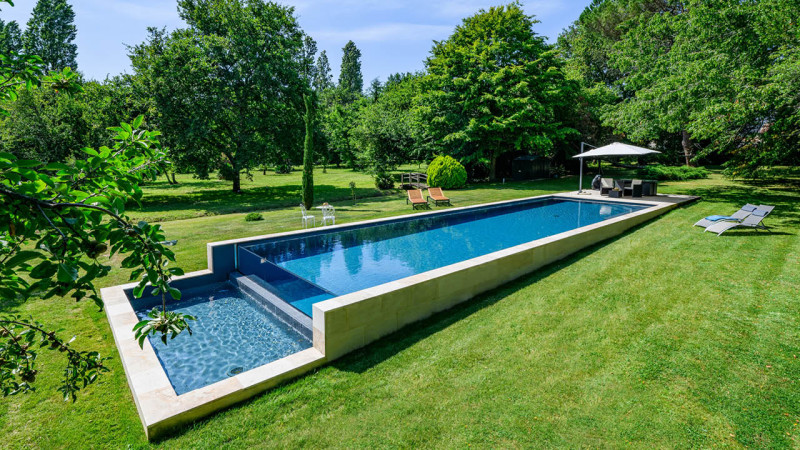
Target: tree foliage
x,y
61,220
351,81
495,86
228,89
50,32
10,38
389,131
711,78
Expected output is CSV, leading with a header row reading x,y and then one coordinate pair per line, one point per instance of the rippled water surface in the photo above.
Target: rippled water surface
x,y
232,334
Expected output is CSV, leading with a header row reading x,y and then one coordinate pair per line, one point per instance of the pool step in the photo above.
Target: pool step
x,y
260,292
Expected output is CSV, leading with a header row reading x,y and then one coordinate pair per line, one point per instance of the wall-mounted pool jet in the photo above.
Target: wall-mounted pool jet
x,y
615,150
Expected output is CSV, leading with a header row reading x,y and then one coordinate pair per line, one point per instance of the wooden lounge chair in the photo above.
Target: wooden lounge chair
x,y
437,196
743,212
754,220
416,198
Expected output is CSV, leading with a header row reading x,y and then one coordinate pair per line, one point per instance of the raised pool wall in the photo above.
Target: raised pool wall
x,y
345,323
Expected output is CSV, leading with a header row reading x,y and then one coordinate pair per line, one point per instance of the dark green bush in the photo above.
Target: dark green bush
x,y
673,173
384,181
447,173
252,217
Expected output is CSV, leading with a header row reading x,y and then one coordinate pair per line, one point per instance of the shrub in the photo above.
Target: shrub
x,y
673,173
252,217
283,168
446,173
384,181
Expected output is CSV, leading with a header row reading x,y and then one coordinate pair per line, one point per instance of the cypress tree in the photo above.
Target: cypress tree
x,y
50,32
308,154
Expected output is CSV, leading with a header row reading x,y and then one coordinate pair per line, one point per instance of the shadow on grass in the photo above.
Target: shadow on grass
x,y
224,201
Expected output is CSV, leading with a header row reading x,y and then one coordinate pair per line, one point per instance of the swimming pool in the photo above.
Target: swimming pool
x,y
309,269
233,333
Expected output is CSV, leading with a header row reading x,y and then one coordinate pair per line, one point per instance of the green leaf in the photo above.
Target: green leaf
x,y
67,274
174,293
45,269
137,122
21,257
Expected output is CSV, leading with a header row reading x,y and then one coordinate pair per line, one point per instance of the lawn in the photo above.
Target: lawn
x,y
193,197
664,336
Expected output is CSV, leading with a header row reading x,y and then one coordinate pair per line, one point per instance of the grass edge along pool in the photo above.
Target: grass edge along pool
x,y
343,323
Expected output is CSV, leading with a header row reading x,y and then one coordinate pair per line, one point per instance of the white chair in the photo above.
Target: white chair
x,y
306,217
328,213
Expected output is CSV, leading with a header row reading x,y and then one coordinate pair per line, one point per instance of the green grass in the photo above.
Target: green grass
x,y
664,336
193,197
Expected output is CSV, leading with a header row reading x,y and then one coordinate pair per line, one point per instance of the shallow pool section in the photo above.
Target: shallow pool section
x,y
233,333
309,269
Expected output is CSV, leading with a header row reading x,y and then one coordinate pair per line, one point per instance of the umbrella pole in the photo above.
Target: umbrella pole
x,y
580,179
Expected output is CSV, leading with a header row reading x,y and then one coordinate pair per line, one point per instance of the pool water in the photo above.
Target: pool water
x,y
325,265
232,334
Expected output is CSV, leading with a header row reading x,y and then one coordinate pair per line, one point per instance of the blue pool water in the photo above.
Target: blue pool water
x,y
310,269
232,334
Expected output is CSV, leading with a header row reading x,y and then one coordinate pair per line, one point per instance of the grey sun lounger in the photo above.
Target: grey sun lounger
x,y
743,212
754,220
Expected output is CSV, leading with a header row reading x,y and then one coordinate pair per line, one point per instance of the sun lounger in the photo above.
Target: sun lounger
x,y
416,198
743,212
437,196
754,220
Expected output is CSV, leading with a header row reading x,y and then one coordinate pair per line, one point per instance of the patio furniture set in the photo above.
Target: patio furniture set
x,y
328,215
632,188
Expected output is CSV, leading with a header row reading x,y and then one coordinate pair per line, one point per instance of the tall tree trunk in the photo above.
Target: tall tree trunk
x,y
166,175
493,167
237,182
686,142
174,181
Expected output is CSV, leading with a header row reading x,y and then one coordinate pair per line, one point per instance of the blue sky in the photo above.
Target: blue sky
x,y
393,35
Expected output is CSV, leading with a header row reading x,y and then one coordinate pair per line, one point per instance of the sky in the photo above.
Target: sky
x,y
393,35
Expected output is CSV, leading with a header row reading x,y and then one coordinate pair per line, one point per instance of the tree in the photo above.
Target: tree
x,y
351,81
308,154
307,67
322,73
59,219
50,32
44,125
375,90
495,86
699,71
10,38
389,131
228,89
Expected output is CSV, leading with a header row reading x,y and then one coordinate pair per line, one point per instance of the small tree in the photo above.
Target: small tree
x,y
308,154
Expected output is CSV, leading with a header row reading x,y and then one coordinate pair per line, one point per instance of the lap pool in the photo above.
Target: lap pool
x,y
309,269
271,308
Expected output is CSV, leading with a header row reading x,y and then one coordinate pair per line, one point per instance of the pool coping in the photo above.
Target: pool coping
x,y
341,324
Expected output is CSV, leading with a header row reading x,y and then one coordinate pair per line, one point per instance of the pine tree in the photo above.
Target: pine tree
x,y
322,73
50,32
10,37
351,82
